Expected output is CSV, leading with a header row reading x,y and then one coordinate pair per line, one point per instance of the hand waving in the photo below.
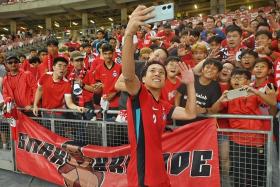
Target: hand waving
x,y
186,73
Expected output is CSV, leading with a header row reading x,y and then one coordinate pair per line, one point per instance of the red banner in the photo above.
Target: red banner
x,y
190,153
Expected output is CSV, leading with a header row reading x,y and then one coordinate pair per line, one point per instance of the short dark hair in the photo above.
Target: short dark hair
x,y
267,33
148,64
172,58
195,33
264,24
264,60
112,38
33,49
211,17
34,60
240,71
59,59
249,52
212,61
100,30
52,41
232,28
21,55
107,47
42,51
216,39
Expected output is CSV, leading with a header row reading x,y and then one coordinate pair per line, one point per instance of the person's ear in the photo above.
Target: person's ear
x,y
143,79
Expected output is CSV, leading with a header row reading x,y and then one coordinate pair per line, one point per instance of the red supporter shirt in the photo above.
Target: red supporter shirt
x,y
54,92
146,122
35,71
246,106
89,60
20,87
74,45
166,38
169,91
88,80
96,62
25,65
108,77
48,63
188,60
147,38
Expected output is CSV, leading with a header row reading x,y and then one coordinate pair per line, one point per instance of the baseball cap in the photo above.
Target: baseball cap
x,y
12,56
75,55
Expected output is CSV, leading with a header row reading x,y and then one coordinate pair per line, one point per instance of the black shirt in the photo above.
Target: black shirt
x,y
206,96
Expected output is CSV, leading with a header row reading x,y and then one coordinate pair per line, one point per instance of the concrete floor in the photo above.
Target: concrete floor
x,y
12,179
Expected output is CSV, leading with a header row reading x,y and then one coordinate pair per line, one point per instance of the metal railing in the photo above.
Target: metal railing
x,y
240,164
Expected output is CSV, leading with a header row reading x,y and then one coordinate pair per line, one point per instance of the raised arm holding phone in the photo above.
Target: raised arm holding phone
x,y
147,114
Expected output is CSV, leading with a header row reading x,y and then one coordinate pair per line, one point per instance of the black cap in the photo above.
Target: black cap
x,y
12,56
52,41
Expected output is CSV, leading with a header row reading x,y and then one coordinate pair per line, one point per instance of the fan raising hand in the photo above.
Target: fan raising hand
x,y
187,75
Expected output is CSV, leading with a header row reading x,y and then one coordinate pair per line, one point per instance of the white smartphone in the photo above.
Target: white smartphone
x,y
162,12
240,92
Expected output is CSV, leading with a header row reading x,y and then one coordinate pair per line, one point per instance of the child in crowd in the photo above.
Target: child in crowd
x,y
248,59
214,42
199,52
247,149
263,72
172,82
145,54
207,88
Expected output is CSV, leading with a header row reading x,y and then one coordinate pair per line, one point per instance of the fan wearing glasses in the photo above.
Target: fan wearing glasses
x,y
19,85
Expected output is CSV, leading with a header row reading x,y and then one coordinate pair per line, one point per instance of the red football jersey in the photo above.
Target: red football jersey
x,y
108,77
146,121
20,87
169,90
166,38
246,106
53,92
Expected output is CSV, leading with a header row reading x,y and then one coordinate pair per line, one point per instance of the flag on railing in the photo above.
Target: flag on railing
x,y
190,153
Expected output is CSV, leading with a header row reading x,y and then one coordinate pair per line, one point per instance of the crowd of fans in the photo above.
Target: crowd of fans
x,y
20,40
226,52
5,2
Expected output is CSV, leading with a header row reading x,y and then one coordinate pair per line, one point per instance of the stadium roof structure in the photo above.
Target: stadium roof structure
x,y
69,13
